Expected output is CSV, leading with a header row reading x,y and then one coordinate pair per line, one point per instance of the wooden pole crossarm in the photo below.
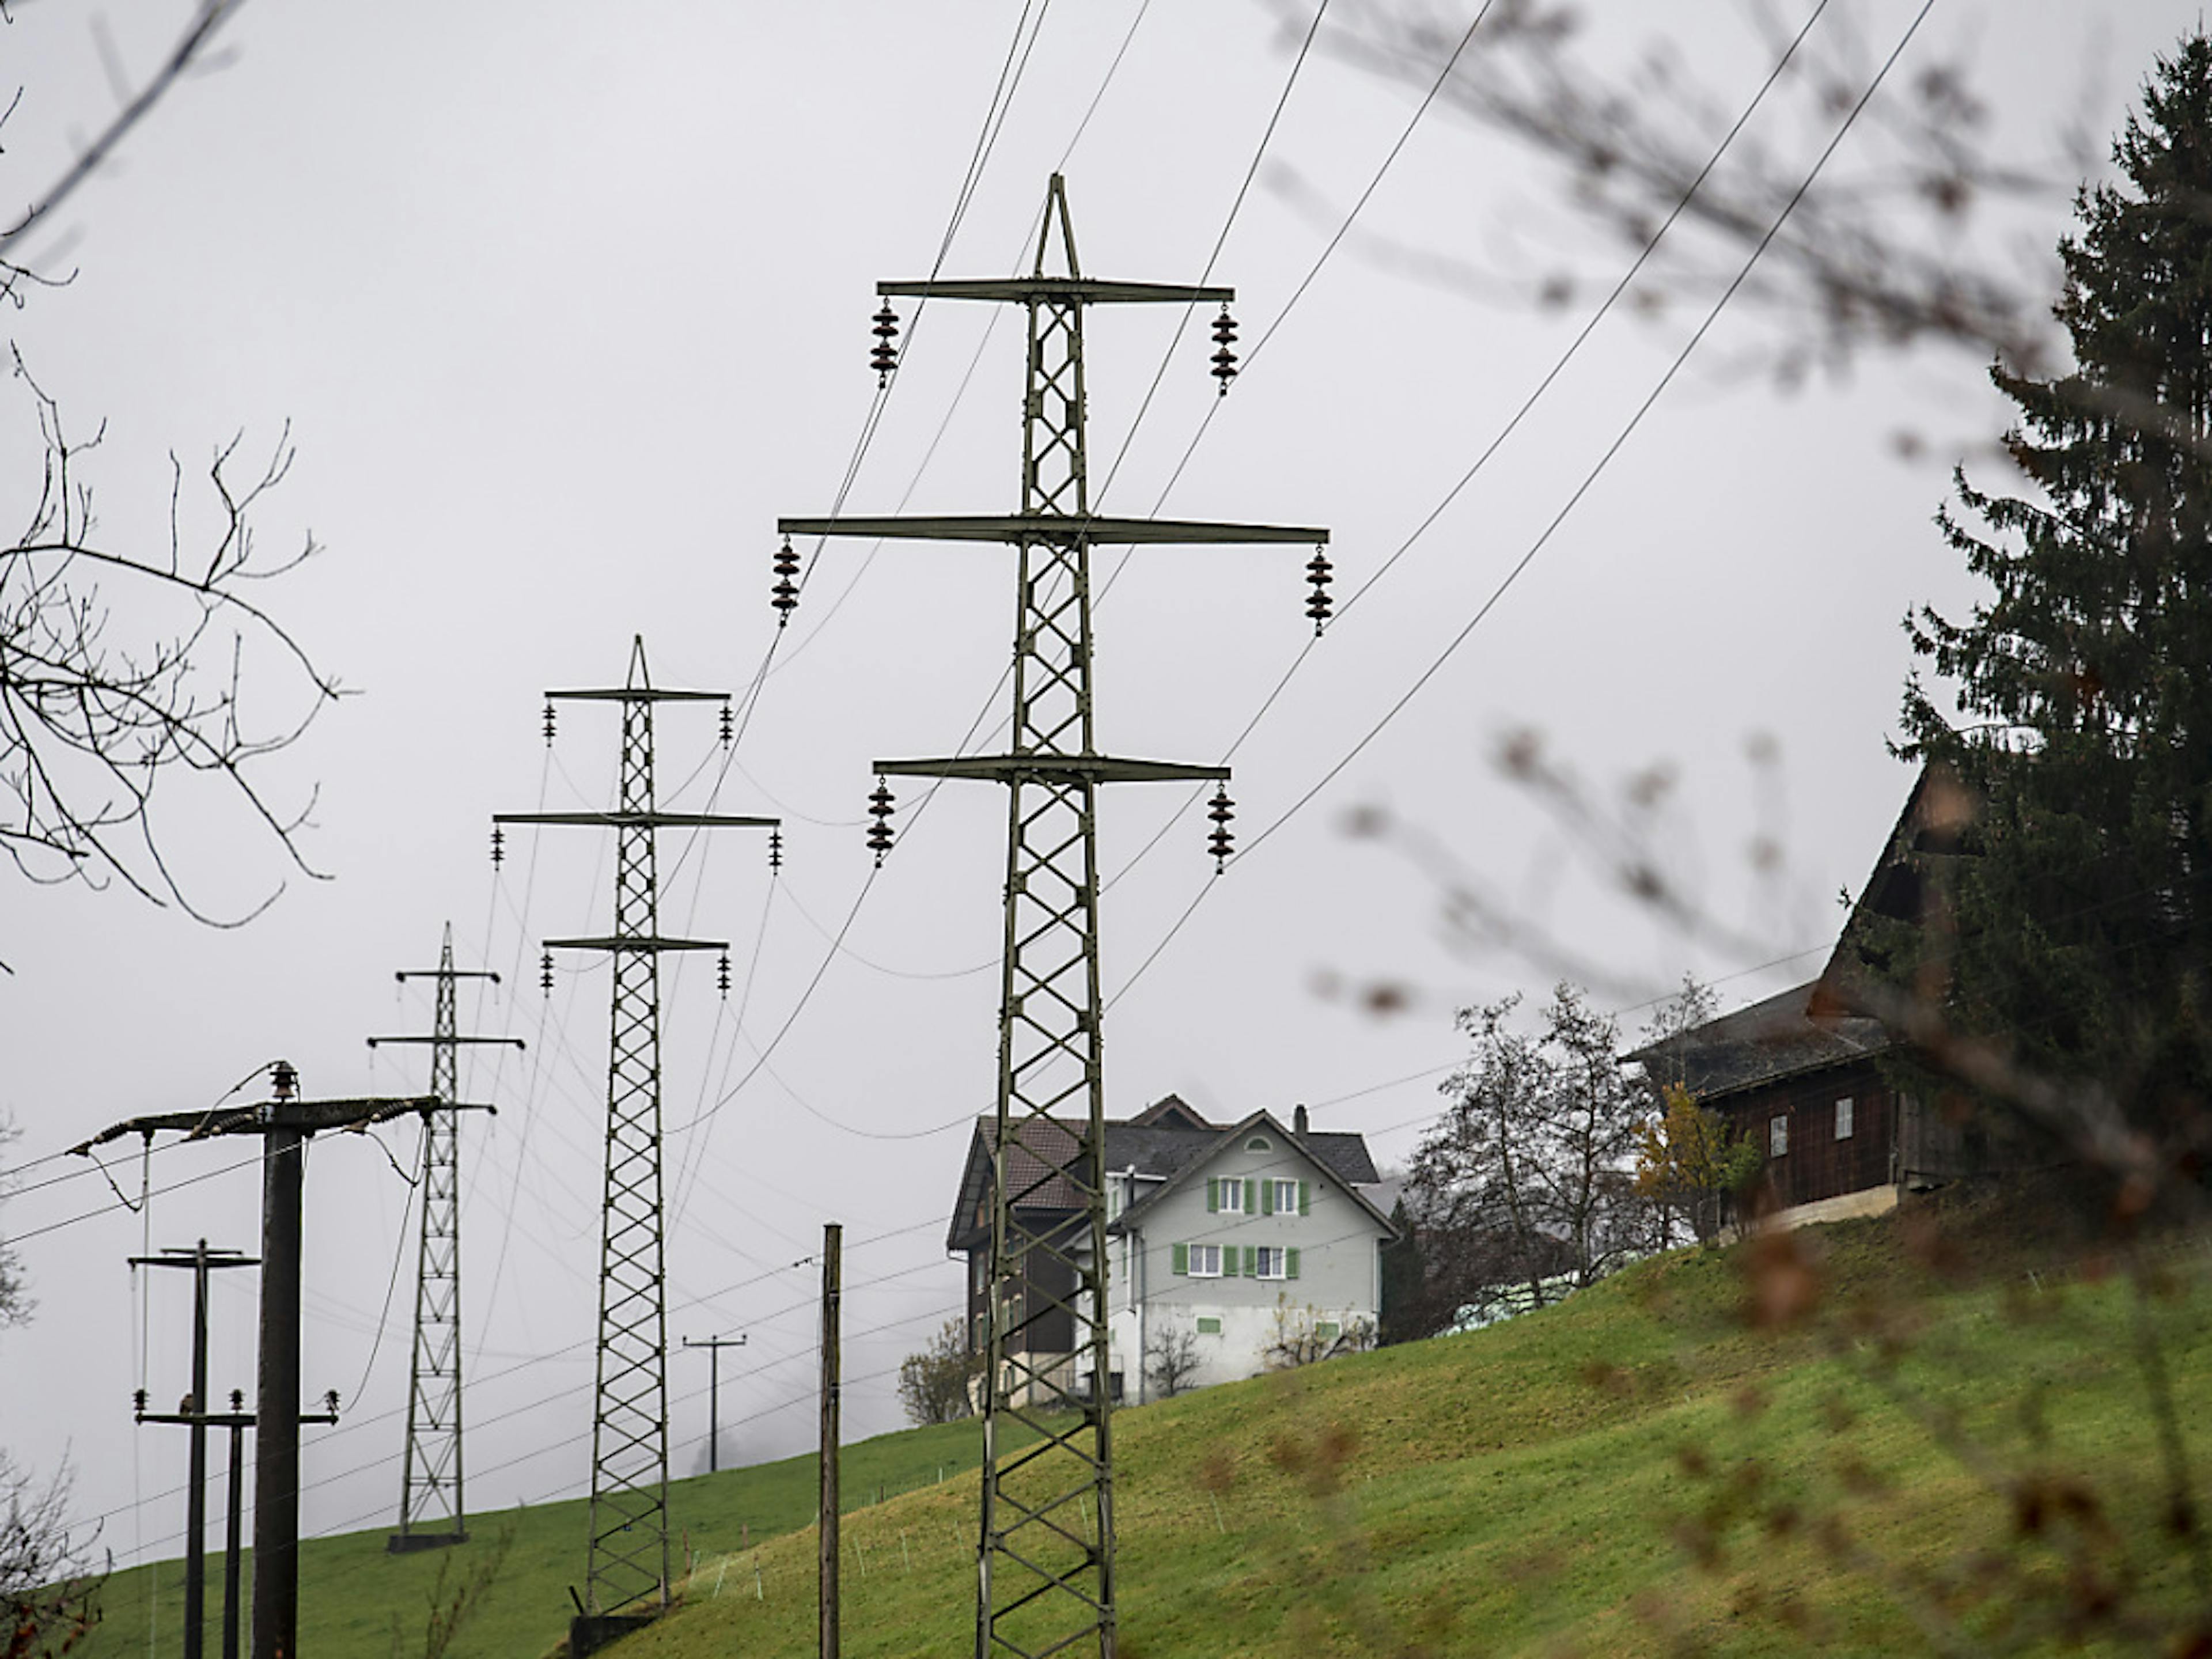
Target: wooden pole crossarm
x,y
307,1116
224,1419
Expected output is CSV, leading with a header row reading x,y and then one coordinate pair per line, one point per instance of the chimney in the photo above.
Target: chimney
x,y
1299,1119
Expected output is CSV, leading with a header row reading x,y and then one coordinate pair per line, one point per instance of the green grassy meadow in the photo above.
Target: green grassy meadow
x,y
354,1598
1967,1446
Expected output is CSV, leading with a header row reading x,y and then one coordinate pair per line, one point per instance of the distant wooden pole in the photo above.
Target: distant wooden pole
x,y
833,1243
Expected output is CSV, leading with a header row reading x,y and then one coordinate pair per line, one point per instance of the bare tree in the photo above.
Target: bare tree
x,y
1172,1357
120,665
1903,242
15,1300
123,666
47,1601
1302,1338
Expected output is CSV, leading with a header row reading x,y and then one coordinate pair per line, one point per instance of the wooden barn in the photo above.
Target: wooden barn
x,y
1801,1073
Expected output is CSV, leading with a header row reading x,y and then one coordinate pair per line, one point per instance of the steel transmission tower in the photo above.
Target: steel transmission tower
x,y
433,1512
628,1562
1046,1551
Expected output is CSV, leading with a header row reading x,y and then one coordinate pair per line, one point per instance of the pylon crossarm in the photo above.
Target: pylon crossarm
x,y
464,1041
647,820
1058,528
636,944
1058,771
1059,290
637,694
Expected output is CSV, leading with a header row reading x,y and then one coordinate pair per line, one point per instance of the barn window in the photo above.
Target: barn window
x,y
1844,1120
1777,1137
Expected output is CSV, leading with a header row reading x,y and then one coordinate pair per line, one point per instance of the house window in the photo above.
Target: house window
x,y
1208,1326
1326,1331
1268,1259
1285,1197
1777,1137
1206,1262
1843,1114
1259,1143
1225,1194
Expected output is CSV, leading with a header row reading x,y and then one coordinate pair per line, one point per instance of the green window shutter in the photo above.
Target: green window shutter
x,y
1267,1198
1291,1262
1251,1262
1251,1197
1213,1193
1181,1252
1305,1201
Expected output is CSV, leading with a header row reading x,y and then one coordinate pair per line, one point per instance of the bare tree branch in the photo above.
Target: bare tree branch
x,y
190,50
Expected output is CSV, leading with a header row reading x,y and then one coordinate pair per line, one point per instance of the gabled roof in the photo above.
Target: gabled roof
x,y
1170,1112
1927,831
1340,1154
1164,1143
1817,1024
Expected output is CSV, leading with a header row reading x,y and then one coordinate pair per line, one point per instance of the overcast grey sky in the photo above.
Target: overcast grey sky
x,y
565,305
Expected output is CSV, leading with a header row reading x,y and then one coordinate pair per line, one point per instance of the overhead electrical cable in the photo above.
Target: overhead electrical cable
x,y
1581,490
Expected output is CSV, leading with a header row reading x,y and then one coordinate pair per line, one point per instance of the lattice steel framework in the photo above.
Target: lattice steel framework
x,y
1045,1559
628,1564
433,1510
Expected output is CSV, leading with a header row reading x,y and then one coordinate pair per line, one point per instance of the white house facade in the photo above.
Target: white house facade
x,y
1233,1249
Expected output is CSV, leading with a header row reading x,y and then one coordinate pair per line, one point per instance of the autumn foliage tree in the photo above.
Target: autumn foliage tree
x,y
1690,1166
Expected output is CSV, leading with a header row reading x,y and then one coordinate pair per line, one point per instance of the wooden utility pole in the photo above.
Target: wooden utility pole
x,y
713,1346
195,1415
284,1122
832,1245
233,1530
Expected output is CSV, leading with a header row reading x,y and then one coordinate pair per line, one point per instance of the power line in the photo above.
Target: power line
x,y
1237,206
1574,348
1574,499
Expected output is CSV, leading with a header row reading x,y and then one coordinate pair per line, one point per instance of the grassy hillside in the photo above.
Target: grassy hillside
x,y
1635,1471
1957,1436
354,1597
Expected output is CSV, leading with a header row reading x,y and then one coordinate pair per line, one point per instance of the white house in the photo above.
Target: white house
x,y
1228,1244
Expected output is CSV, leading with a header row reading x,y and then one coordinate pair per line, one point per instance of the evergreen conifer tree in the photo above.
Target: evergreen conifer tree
x,y
2083,900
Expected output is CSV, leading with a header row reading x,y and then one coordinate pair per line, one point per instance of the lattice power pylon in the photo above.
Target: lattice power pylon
x,y
628,1566
1046,1550
433,1510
